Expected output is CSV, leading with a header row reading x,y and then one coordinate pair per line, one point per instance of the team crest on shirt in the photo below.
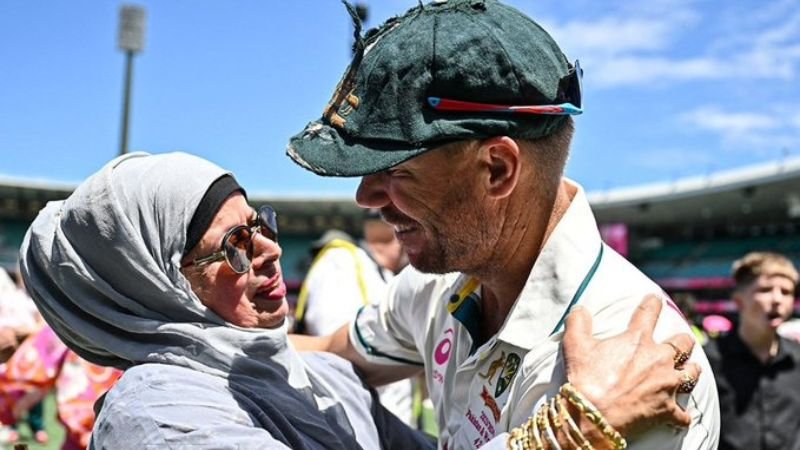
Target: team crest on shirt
x,y
499,373
510,368
494,366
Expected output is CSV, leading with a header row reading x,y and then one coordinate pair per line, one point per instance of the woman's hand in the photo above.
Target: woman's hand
x,y
630,378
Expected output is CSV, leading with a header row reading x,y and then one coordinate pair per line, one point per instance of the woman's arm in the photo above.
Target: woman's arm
x,y
629,377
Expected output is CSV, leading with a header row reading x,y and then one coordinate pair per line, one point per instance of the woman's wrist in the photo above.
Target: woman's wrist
x,y
568,421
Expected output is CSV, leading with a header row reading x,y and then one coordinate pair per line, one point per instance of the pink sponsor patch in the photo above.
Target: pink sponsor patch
x,y
442,352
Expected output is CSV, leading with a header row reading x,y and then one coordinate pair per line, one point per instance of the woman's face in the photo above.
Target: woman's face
x,y
256,298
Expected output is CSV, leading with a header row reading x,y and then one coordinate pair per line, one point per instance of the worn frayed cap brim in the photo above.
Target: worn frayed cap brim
x,y
324,151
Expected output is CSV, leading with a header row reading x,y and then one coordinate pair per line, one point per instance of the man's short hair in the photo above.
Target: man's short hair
x,y
550,153
748,268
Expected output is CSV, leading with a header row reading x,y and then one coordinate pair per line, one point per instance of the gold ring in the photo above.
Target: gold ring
x,y
680,357
688,384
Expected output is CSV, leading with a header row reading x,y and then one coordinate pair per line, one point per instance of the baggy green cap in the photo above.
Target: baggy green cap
x,y
479,51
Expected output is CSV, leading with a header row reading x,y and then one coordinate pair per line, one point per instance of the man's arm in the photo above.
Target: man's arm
x,y
339,343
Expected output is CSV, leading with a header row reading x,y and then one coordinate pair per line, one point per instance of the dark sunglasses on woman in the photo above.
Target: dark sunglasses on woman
x,y
237,244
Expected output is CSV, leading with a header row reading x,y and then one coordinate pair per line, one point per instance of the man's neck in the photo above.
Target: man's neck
x,y
523,240
763,344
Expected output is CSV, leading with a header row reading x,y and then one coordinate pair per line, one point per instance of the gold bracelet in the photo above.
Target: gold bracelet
x,y
593,414
520,437
536,433
543,419
551,409
560,424
572,427
515,438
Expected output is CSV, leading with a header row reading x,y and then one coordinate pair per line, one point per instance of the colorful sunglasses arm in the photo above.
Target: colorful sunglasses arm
x,y
444,104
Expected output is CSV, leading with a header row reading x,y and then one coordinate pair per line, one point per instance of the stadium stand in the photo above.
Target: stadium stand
x,y
684,234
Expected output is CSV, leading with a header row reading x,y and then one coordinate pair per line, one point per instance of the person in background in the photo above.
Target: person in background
x,y
757,370
685,302
382,245
456,116
43,364
19,319
343,278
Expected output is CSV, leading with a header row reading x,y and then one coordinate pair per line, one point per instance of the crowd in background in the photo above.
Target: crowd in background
x,y
34,364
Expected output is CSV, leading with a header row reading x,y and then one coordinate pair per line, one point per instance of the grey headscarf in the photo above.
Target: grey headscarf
x,y
103,266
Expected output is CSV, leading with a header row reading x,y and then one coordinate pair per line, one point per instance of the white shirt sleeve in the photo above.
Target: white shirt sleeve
x,y
393,331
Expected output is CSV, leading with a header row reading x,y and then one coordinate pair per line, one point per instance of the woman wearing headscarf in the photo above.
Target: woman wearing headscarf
x,y
130,272
156,265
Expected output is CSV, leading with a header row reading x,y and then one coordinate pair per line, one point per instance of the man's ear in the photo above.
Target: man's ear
x,y
503,160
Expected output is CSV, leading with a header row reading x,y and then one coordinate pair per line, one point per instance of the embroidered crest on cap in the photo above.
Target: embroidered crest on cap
x,y
344,90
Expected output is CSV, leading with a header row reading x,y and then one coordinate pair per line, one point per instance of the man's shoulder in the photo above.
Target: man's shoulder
x,y
618,286
617,267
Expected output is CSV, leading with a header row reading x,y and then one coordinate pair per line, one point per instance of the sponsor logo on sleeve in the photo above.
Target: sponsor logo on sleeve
x,y
441,354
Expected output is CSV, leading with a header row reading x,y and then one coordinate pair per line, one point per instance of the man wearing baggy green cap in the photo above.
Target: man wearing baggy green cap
x,y
457,116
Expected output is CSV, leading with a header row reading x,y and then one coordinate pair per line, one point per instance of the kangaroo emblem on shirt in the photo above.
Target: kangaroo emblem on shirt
x,y
496,365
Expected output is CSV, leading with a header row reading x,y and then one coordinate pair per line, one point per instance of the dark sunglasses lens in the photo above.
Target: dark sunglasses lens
x,y
238,249
576,88
569,87
268,221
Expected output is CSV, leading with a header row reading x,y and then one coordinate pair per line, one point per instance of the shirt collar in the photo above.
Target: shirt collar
x,y
736,346
567,261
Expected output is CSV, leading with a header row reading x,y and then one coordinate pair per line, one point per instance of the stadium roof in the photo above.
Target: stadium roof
x,y
761,193
758,193
21,199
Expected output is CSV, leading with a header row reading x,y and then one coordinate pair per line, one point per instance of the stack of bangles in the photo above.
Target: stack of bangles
x,y
539,431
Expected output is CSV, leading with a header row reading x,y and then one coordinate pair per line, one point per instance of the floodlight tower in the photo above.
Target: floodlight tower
x,y
132,21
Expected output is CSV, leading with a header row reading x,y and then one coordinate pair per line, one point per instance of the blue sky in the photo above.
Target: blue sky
x,y
673,88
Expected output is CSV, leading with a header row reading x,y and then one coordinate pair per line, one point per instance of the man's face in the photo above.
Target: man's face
x,y
433,203
766,303
384,246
